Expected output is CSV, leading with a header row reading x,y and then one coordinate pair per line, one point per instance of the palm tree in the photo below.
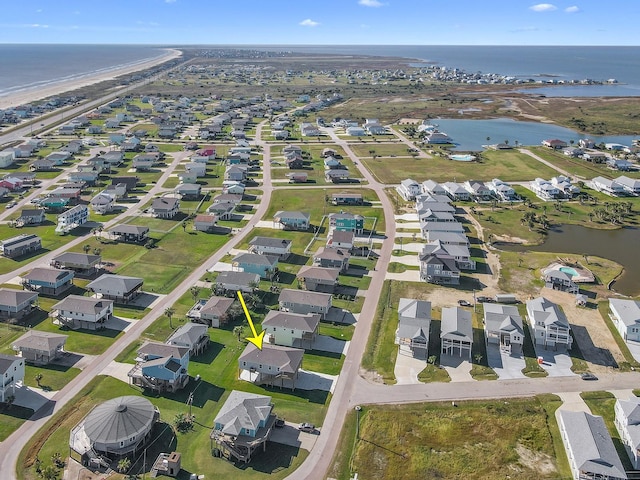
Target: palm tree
x,y
238,331
195,291
124,464
96,251
169,312
86,248
38,379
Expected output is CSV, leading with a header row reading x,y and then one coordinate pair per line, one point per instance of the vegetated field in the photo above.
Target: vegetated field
x,y
516,438
507,165
380,150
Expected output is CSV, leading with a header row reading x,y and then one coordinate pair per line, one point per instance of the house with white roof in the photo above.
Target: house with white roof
x,y
544,189
607,186
551,328
631,186
408,189
414,323
625,315
12,374
502,190
627,422
456,332
503,326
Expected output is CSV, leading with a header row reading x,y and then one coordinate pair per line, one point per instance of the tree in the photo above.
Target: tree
x,y
184,226
238,331
50,473
477,357
38,379
183,422
195,291
86,248
432,359
169,312
124,464
97,251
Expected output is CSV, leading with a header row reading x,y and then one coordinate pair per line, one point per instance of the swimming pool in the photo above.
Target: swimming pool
x,y
569,271
462,158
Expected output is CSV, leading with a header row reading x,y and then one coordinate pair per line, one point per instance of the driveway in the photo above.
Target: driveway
x,y
118,370
505,365
290,435
407,368
573,402
325,343
306,380
33,398
458,368
557,364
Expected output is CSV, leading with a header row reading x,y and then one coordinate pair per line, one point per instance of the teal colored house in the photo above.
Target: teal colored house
x,y
293,220
347,222
264,265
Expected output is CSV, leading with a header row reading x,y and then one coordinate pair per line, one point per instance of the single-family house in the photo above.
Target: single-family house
x,y
7,157
336,175
631,186
222,210
608,186
341,239
205,223
40,348
439,270
233,281
332,258
243,425
304,301
318,279
625,315
199,169
119,288
12,375
559,280
620,164
161,367
277,247
80,263
293,220
20,245
165,207
236,173
194,336
264,265
76,311
188,190
408,189
129,233
414,323
345,198
31,216
271,364
48,281
590,450
72,218
502,190
16,303
554,143
456,332
298,177
478,190
544,189
627,422
212,312
347,222
503,326
550,326
87,176
456,192
103,203
291,329
460,253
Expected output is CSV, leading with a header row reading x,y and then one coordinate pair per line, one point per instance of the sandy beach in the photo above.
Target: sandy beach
x,y
28,96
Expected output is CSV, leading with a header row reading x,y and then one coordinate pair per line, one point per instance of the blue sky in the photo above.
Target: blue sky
x,y
394,22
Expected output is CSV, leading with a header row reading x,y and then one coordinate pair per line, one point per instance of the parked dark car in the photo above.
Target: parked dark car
x,y
485,299
588,376
307,427
279,423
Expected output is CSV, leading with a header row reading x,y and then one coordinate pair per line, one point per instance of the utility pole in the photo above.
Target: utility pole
x,y
358,409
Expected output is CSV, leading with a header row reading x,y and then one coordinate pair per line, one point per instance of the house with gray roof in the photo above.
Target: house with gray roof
x,y
503,326
161,367
16,303
80,263
233,281
31,216
551,328
223,210
631,186
119,288
211,312
243,424
441,270
627,422
165,207
291,329
40,348
76,311
304,301
332,258
414,323
48,281
278,247
129,233
559,280
590,450
318,279
456,332
188,190
408,189
293,220
264,265
11,375
20,245
193,336
625,315
460,253
271,365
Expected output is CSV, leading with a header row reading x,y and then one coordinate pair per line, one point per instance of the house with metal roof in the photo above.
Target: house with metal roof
x,y
503,326
16,303
48,281
242,425
551,328
625,315
414,322
590,450
456,332
38,347
76,311
119,288
291,329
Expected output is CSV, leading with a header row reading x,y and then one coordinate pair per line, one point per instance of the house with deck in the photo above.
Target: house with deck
x,y
31,216
48,281
329,257
20,245
440,270
559,280
161,367
456,332
76,311
277,247
627,422
347,222
503,327
414,323
165,207
631,186
408,189
293,220
11,375
264,265
345,198
119,288
16,303
550,326
291,329
272,365
233,281
130,233
625,315
304,301
607,186
72,218
81,263
194,336
212,312
40,348
318,279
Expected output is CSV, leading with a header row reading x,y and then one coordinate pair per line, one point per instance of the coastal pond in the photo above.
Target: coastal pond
x,y
618,245
471,135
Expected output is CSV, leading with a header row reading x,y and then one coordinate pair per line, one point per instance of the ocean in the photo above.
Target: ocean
x,y
31,66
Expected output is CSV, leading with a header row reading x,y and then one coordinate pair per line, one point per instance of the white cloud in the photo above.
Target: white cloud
x,y
370,3
309,23
543,7
572,9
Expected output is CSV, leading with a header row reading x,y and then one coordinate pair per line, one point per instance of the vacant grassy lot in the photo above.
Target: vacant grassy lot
x,y
508,165
380,150
514,439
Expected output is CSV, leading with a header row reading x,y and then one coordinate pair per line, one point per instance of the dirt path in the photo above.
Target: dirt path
x,y
592,334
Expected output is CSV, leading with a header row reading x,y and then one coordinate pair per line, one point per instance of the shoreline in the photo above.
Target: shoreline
x,y
39,93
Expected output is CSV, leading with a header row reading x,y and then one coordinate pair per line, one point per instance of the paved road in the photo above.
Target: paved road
x,y
13,445
547,163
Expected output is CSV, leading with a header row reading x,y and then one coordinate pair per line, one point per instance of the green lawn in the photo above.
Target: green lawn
x,y
54,377
473,440
323,362
11,417
433,373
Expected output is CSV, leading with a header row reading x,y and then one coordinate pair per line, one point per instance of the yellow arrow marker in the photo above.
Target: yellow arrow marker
x,y
257,337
